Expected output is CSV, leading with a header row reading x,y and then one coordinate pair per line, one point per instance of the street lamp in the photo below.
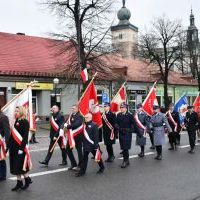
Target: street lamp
x,y
55,81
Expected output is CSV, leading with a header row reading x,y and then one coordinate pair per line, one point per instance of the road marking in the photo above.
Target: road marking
x,y
43,173
185,146
42,149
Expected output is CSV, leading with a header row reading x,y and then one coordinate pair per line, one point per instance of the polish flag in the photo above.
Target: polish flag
x,y
89,104
84,75
196,103
24,98
118,99
150,100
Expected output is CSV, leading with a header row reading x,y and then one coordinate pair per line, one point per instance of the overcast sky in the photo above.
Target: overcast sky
x,y
29,17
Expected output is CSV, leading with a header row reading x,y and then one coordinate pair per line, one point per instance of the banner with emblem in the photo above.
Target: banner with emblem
x,y
88,103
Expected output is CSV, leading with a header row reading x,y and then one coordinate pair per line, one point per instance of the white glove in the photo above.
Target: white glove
x,y
61,133
65,125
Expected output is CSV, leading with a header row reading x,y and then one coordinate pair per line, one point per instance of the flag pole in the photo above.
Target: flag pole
x,y
118,91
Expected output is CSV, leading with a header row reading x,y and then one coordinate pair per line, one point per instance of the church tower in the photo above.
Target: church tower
x,y
125,34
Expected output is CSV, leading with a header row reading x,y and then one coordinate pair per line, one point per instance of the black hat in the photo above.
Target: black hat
x,y
124,105
139,106
106,104
155,107
190,107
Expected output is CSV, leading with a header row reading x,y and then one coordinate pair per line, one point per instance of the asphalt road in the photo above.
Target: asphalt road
x,y
176,177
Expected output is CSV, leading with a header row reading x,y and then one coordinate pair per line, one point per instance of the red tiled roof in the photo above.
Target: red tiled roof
x,y
22,55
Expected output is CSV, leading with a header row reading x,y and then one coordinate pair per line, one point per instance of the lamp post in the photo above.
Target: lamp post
x,y
55,81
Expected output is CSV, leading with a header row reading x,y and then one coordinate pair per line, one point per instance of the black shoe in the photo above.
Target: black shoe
x,y
18,186
63,163
101,170
171,148
112,158
121,152
28,181
191,151
158,157
141,155
35,141
78,174
44,163
125,164
92,157
152,147
178,143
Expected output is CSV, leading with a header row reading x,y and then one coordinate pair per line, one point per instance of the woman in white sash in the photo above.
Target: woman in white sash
x,y
20,162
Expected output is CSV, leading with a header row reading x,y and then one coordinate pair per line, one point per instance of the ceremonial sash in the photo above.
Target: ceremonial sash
x,y
98,152
172,120
112,135
2,149
140,125
54,124
18,139
72,133
63,141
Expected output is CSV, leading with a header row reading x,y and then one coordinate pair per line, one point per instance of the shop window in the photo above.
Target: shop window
x,y
99,96
159,100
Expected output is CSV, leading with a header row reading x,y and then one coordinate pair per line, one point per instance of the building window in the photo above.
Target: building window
x,y
120,36
99,96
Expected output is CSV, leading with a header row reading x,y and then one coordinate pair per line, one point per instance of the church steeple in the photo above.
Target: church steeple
x,y
192,19
125,34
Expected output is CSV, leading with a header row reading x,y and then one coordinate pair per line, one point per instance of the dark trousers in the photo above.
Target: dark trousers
x,y
172,138
2,169
159,150
178,137
192,138
63,151
126,154
85,161
79,148
109,149
142,149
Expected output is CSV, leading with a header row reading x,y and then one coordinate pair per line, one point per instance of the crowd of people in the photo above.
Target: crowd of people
x,y
83,134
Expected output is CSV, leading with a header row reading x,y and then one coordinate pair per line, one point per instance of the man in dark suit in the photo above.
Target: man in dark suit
x,y
191,123
90,145
56,121
4,137
75,122
109,135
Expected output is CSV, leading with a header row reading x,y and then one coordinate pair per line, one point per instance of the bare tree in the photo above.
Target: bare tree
x,y
86,25
162,46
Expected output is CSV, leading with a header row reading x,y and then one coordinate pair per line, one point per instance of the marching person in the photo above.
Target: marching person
x,y
108,119
56,121
158,121
126,125
20,161
191,123
142,124
90,145
76,125
174,122
4,138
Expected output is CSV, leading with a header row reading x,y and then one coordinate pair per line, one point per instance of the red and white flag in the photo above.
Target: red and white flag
x,y
118,99
150,101
24,98
84,75
89,104
196,103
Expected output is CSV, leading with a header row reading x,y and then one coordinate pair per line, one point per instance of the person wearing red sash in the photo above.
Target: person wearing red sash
x,y
90,145
108,119
18,149
56,121
4,138
174,122
75,123
142,123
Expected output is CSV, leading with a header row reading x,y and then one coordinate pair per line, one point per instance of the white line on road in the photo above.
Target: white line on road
x,y
44,173
136,156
